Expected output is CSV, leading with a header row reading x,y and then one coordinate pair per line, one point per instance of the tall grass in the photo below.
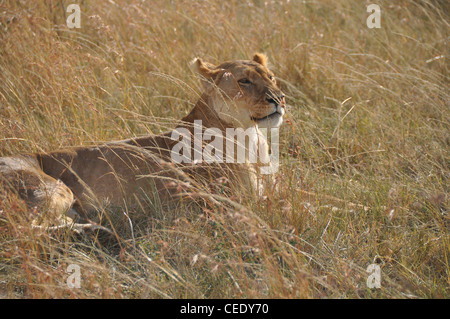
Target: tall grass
x,y
364,170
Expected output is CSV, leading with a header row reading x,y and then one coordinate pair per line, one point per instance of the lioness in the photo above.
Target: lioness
x,y
65,184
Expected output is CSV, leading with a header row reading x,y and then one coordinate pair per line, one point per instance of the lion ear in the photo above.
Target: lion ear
x,y
207,70
260,58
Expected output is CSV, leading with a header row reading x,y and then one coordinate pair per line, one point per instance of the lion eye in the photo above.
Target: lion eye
x,y
245,82
271,78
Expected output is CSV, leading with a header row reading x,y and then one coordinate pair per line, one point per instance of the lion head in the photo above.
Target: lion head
x,y
243,92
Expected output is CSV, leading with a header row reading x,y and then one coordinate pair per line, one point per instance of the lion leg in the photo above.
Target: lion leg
x,y
48,198
56,202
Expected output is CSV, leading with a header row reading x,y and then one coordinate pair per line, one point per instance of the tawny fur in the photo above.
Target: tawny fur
x,y
58,183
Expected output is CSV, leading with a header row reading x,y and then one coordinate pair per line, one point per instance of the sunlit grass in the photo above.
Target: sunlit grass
x,y
364,157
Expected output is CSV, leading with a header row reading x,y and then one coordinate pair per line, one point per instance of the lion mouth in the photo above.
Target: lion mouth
x,y
275,113
265,117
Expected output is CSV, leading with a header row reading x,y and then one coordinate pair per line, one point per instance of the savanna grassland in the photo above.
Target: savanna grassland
x,y
364,163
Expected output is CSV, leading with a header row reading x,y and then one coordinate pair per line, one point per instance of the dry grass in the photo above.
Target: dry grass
x,y
364,168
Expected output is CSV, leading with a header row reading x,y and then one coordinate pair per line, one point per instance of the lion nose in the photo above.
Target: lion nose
x,y
283,100
277,100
